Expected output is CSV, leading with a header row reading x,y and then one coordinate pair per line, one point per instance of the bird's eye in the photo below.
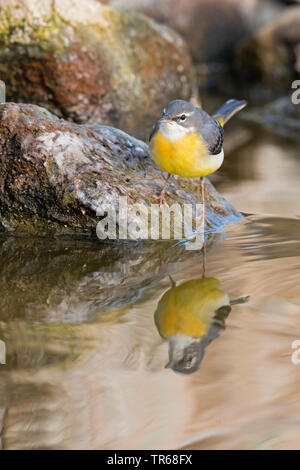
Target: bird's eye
x,y
183,117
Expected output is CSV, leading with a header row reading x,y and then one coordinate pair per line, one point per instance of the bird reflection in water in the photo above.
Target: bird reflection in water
x,y
190,316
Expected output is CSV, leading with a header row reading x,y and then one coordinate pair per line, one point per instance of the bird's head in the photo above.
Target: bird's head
x,y
185,353
178,119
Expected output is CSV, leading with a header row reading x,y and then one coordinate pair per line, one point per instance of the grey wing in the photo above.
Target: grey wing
x,y
212,133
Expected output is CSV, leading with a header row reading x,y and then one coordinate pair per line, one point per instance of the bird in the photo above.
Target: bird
x,y
188,142
189,316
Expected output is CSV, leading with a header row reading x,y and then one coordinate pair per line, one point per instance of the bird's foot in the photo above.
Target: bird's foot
x,y
163,266
205,219
161,198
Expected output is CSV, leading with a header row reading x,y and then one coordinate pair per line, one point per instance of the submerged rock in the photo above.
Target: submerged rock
x,y
89,63
54,174
270,57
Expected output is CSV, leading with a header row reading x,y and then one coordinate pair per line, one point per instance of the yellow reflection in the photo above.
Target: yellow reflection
x,y
190,316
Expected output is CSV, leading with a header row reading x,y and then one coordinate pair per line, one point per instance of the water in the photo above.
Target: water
x,y
86,363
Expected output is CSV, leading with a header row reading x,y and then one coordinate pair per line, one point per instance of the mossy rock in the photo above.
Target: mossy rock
x,y
87,62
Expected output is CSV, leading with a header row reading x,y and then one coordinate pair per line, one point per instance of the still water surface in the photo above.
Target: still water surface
x,y
85,360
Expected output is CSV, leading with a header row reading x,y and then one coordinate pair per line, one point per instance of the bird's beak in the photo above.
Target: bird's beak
x,y
165,121
169,365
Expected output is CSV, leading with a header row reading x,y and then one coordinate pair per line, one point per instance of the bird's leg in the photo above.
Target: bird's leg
x,y
173,283
163,266
161,197
203,198
204,259
205,219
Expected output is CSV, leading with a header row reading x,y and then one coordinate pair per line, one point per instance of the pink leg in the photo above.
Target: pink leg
x,y
161,197
205,219
204,259
203,197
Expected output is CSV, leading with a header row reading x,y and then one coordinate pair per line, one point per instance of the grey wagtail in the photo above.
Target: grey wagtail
x,y
188,142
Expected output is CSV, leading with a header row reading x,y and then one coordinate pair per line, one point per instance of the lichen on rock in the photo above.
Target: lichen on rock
x,y
87,62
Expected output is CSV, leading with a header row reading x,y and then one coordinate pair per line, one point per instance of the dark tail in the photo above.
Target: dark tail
x,y
229,109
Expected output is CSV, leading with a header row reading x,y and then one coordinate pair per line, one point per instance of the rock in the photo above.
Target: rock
x,y
269,57
89,63
280,116
211,27
55,174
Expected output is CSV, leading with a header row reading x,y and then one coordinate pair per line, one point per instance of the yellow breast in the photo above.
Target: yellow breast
x,y
189,309
187,156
